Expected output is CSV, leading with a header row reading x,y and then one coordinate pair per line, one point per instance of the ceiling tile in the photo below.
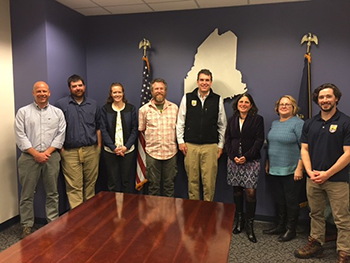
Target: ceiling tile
x,y
129,9
106,7
94,11
165,1
257,2
77,3
186,5
221,3
117,2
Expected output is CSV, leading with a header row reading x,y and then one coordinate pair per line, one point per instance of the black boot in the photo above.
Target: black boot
x,y
250,208
239,225
280,226
292,221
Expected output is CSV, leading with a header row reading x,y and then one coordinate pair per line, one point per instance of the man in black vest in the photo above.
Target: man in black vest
x,y
200,128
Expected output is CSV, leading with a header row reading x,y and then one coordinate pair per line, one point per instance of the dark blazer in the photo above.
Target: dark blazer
x,y
251,138
108,123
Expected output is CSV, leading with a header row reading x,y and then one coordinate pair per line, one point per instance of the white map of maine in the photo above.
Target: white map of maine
x,y
218,53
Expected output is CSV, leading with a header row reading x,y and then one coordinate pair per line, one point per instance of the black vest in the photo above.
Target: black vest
x,y
201,122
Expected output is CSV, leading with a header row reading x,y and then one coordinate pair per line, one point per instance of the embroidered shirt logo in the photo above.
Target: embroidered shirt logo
x,y
333,128
194,103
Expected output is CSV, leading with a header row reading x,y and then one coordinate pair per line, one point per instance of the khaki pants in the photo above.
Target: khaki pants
x,y
338,195
201,161
80,170
29,174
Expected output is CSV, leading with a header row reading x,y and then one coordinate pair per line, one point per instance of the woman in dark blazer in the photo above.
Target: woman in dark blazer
x,y
244,138
119,134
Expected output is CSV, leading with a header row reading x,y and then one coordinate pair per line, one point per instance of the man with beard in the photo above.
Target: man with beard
x,y
40,130
157,119
325,152
200,131
81,150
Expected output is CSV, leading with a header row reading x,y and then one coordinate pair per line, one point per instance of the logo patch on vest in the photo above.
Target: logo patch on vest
x,y
194,103
333,128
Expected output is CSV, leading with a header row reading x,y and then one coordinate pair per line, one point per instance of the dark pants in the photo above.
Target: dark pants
x,y
161,171
118,170
286,190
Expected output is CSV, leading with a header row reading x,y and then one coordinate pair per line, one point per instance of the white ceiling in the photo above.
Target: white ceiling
x,y
113,7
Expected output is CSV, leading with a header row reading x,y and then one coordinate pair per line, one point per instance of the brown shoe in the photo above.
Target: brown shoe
x,y
343,257
312,249
26,231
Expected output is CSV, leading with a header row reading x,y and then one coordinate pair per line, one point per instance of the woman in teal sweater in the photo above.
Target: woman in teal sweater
x,y
285,167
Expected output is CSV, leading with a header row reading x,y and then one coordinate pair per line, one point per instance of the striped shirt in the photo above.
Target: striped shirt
x,y
159,128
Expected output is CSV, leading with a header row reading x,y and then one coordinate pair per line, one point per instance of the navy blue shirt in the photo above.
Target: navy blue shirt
x,y
326,140
83,120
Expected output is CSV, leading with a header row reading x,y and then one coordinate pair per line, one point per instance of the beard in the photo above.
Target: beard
x,y
159,98
78,94
327,109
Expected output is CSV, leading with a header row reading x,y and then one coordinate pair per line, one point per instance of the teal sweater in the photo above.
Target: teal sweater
x,y
284,146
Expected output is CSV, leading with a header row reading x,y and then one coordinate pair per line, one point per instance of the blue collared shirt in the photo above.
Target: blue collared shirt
x,y
83,120
39,128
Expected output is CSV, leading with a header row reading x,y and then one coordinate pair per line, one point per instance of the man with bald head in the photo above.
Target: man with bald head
x,y
40,131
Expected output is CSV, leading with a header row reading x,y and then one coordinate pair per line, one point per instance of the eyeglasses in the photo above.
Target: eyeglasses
x,y
284,105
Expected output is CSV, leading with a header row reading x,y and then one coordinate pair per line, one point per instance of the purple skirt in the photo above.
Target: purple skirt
x,y
244,175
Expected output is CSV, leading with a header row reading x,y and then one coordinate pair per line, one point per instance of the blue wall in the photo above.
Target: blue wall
x,y
48,42
104,49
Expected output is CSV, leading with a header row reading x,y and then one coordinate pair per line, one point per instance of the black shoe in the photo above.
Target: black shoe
x,y
277,230
280,228
239,226
292,220
250,230
287,236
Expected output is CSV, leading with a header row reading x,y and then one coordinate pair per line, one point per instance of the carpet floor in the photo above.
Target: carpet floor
x,y
267,249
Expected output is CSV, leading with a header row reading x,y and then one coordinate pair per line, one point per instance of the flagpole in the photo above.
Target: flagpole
x,y
304,100
309,38
145,97
308,56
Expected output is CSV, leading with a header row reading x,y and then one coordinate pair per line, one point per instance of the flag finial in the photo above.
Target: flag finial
x,y
309,38
144,43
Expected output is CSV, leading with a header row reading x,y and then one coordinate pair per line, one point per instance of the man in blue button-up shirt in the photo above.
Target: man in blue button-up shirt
x,y
81,151
40,130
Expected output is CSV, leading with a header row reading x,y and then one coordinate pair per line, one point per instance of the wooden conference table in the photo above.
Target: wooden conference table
x,y
116,227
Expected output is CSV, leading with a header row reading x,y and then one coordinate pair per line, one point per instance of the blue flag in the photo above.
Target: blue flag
x,y
304,101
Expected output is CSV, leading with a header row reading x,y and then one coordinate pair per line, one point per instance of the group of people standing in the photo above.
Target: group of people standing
x,y
69,133
76,129
320,147
244,139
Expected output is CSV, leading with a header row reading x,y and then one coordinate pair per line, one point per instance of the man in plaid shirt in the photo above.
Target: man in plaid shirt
x,y
157,119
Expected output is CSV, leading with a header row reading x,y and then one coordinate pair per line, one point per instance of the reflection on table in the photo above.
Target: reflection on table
x,y
117,227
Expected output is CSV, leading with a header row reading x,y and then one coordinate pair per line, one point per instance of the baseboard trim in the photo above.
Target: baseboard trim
x,y
9,222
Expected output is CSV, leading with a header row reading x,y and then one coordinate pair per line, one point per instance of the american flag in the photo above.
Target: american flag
x,y
145,98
